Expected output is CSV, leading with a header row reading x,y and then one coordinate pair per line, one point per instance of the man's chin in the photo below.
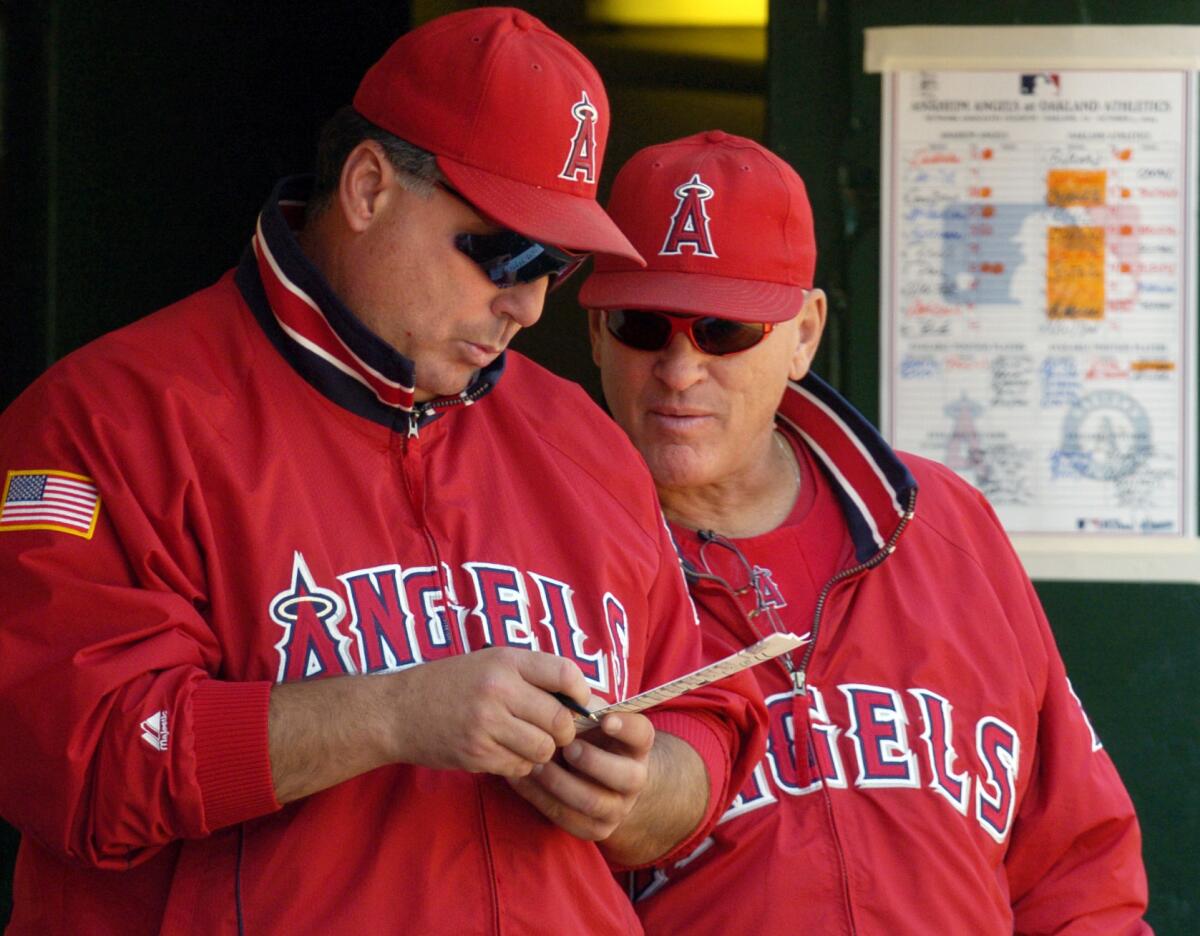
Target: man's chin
x,y
678,467
445,385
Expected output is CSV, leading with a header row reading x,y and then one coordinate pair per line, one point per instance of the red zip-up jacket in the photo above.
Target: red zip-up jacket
x,y
254,498
950,781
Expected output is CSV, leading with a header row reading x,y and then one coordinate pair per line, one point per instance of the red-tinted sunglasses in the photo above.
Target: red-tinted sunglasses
x,y
645,330
508,258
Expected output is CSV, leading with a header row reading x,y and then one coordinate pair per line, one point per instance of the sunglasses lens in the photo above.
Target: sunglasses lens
x,y
508,258
651,331
572,263
645,331
724,336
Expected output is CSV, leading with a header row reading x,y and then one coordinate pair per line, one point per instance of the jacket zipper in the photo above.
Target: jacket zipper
x,y
414,482
800,678
888,548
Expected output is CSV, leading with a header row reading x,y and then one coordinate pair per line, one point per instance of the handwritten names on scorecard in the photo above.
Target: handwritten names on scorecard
x,y
1038,303
766,649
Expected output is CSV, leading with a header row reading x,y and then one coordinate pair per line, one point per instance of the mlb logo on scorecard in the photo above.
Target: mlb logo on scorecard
x,y
49,500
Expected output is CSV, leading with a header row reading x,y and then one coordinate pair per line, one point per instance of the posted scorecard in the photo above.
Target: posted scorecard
x,y
1038,299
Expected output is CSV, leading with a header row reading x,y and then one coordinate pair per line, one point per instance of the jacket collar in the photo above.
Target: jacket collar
x,y
317,334
874,486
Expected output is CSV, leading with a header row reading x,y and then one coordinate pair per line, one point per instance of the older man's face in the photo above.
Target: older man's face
x,y
701,420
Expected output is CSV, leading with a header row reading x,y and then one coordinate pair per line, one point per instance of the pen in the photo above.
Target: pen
x,y
574,706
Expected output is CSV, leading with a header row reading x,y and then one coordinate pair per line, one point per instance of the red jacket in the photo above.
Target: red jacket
x,y
256,527
952,782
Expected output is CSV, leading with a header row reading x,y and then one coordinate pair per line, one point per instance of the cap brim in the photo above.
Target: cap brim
x,y
694,293
558,218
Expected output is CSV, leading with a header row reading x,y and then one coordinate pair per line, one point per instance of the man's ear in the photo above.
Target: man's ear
x,y
365,184
808,335
596,332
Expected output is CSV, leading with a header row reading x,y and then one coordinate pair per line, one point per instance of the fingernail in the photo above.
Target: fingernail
x,y
572,751
612,724
536,769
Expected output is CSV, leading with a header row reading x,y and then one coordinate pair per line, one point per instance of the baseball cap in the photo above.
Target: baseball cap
x,y
724,225
516,116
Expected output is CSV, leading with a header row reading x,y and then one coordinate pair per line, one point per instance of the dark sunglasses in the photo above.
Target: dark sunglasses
x,y
508,258
653,331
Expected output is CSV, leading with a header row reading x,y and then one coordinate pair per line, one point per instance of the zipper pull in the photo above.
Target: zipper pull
x,y
413,424
798,682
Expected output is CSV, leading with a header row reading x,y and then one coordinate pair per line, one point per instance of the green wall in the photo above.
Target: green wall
x,y
1132,649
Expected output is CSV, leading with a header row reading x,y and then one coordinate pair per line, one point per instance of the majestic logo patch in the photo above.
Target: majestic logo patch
x,y
50,500
582,158
155,731
689,224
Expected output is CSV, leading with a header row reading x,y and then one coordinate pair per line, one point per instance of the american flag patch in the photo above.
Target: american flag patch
x,y
50,500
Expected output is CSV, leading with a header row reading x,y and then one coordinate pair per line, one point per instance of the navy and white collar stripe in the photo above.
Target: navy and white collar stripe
x,y
316,332
872,484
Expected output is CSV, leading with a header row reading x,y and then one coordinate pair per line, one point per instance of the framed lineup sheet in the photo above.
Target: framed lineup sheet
x,y
1038,284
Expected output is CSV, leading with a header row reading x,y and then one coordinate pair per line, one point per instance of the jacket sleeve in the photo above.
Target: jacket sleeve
x,y
1074,862
116,735
726,721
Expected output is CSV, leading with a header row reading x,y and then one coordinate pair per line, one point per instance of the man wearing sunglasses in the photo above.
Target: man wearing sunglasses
x,y
303,579
928,767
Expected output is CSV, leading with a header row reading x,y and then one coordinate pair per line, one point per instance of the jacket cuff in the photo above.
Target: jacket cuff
x,y
233,764
698,731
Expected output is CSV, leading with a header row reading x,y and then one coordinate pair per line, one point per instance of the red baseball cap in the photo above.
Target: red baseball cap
x,y
725,227
515,114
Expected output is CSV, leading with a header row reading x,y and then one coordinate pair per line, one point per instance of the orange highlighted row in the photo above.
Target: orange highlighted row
x,y
1076,187
1153,365
1075,272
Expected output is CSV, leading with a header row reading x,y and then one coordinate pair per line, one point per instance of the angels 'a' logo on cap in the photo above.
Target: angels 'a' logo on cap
x,y
689,224
582,158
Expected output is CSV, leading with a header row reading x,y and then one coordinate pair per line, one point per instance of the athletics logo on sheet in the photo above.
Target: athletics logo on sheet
x,y
50,500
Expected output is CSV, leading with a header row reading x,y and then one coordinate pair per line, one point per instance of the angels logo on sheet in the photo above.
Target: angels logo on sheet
x,y
400,617
581,160
689,224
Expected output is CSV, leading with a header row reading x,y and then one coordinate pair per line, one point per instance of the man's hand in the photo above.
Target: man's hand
x,y
602,774
490,711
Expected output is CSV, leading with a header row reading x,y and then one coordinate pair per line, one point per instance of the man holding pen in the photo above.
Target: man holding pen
x,y
291,571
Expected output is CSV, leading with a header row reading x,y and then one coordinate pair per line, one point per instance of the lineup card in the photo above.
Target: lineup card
x,y
766,649
1038,300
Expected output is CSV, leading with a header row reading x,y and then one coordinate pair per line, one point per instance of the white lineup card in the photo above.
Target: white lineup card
x,y
1039,292
766,649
